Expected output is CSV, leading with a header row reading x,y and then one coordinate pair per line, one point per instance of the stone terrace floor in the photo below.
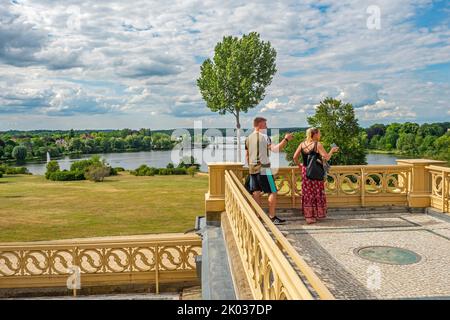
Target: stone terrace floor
x,y
330,248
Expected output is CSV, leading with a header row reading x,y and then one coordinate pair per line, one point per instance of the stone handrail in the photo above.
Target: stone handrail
x,y
268,272
347,185
149,259
407,184
285,246
440,187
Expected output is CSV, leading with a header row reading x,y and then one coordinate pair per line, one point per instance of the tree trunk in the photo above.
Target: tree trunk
x,y
238,135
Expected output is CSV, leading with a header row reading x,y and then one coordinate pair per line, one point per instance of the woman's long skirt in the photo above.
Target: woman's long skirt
x,y
314,202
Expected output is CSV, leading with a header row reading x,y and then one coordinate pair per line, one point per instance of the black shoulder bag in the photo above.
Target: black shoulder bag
x,y
314,165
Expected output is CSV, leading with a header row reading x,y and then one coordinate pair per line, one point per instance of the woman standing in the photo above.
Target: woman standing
x,y
314,202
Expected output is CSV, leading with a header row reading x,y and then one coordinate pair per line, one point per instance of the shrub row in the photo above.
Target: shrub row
x,y
145,170
4,169
94,169
65,175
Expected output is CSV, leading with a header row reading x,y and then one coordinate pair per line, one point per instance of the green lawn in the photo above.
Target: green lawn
x,y
33,208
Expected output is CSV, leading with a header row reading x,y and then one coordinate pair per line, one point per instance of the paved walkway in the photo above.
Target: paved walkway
x,y
330,247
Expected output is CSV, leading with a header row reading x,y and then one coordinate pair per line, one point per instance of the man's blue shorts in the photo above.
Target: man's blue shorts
x,y
262,181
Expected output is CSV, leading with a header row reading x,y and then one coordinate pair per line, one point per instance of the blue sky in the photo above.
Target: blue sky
x,y
116,64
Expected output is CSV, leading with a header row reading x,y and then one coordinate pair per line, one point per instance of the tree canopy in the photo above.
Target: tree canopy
x,y
338,124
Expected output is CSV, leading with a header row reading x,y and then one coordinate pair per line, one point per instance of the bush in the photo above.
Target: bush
x,y
192,170
19,153
66,175
187,162
81,165
170,165
97,173
115,171
52,166
13,170
179,171
145,170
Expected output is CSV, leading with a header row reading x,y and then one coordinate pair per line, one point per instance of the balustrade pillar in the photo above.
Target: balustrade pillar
x,y
419,181
215,197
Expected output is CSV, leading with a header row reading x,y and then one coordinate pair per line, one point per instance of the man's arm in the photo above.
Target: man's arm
x,y
282,144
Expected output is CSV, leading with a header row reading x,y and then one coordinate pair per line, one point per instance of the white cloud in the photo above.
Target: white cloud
x,y
383,110
145,54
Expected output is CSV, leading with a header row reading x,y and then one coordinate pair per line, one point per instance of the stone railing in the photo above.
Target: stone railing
x,y
268,272
406,184
145,260
440,188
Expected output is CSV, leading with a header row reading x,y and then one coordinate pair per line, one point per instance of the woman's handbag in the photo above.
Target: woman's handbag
x,y
314,167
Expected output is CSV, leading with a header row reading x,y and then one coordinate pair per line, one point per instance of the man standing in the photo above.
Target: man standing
x,y
258,146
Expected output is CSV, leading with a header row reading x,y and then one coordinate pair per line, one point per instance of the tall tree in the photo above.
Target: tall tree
x,y
338,124
236,78
19,153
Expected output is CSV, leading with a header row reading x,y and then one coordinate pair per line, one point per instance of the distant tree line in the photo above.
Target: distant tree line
x,y
430,140
22,146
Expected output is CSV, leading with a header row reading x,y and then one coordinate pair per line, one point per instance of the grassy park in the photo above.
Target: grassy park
x,y
33,208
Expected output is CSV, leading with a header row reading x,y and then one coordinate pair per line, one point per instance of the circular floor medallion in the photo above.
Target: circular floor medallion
x,y
388,255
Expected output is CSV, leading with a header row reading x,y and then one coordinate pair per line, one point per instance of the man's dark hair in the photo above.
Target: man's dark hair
x,y
258,120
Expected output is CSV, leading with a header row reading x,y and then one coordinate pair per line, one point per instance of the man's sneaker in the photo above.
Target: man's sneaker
x,y
277,220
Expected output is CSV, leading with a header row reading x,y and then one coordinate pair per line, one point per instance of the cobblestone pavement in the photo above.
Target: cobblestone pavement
x,y
329,247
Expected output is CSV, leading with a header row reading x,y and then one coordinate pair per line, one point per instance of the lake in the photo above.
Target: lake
x,y
159,159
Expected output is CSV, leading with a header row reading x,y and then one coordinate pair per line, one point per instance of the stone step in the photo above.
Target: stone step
x,y
285,213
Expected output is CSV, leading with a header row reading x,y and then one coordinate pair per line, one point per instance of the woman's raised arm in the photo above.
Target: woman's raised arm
x,y
326,155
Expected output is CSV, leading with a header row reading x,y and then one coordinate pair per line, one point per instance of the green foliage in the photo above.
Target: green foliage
x,y
145,170
411,139
338,124
115,171
81,165
292,146
52,166
192,171
5,169
57,143
188,161
94,169
376,130
97,173
236,78
170,165
66,176
19,153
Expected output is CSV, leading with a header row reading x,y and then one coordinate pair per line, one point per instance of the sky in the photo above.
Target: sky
x,y
134,64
